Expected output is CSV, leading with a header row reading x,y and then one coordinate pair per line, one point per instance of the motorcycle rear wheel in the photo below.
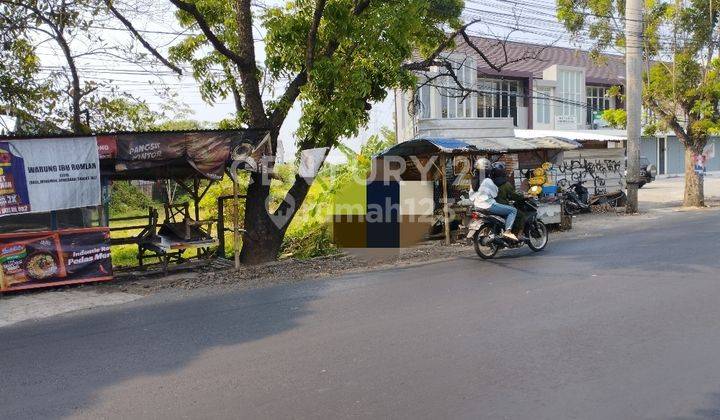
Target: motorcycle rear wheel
x,y
488,251
538,236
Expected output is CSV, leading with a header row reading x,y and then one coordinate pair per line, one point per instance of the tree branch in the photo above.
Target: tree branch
x,y
293,89
140,38
288,98
312,35
249,73
210,35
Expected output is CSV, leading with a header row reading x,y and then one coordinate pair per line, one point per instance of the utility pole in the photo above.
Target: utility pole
x,y
633,95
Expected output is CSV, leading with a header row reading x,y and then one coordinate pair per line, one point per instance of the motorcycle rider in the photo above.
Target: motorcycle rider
x,y
507,193
484,194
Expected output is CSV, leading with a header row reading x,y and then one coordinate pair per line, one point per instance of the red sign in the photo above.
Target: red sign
x,y
107,147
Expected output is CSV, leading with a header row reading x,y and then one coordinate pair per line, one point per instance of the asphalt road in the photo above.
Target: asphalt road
x,y
614,326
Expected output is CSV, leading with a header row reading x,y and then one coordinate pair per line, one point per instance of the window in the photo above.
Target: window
x,y
542,105
498,98
597,100
571,85
454,102
422,102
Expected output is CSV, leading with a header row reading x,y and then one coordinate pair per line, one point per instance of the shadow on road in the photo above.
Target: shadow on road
x,y
50,369
712,411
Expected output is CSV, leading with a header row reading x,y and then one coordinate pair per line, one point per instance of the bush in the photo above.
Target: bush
x,y
308,240
126,198
309,234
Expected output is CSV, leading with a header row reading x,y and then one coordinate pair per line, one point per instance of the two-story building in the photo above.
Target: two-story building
x,y
539,91
542,88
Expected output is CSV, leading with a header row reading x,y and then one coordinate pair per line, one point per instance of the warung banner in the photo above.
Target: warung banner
x,y
42,175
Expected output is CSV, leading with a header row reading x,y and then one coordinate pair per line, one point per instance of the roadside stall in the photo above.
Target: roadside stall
x,y
193,161
454,162
445,170
54,196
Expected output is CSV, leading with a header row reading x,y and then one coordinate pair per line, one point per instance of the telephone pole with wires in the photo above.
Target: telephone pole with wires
x,y
633,93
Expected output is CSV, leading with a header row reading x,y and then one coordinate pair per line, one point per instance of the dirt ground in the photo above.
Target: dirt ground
x,y
661,194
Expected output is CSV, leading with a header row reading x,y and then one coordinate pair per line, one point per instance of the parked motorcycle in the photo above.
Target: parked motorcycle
x,y
486,230
576,199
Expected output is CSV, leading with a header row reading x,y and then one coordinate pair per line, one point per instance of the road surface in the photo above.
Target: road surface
x,y
617,325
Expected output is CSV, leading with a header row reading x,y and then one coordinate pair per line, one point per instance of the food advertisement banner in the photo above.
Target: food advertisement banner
x,y
205,152
53,258
42,175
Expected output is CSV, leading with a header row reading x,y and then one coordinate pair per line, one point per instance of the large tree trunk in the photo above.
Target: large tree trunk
x,y
694,194
264,231
262,238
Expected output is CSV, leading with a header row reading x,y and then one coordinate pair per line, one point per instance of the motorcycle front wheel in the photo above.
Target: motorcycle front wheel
x,y
537,236
487,250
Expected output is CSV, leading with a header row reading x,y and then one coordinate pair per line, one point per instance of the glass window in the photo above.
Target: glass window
x,y
422,102
597,100
571,85
498,98
542,105
454,102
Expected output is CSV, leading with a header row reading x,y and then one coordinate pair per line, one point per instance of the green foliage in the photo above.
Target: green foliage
x,y
180,125
371,48
358,56
309,234
24,93
127,198
683,93
601,19
120,114
617,118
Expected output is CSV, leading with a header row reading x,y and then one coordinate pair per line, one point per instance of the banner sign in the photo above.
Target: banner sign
x,y
159,154
53,258
42,175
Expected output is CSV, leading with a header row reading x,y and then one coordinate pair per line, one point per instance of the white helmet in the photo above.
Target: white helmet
x,y
482,164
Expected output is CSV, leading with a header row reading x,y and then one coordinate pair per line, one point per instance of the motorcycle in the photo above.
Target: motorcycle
x,y
485,230
576,199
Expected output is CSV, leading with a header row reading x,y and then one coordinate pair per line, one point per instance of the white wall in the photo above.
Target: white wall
x,y
466,128
602,170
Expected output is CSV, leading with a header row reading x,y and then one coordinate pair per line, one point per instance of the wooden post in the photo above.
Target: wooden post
x,y
446,210
236,223
196,197
3,286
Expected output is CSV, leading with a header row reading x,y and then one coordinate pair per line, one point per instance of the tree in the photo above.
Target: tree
x,y
50,99
22,94
335,56
59,22
682,80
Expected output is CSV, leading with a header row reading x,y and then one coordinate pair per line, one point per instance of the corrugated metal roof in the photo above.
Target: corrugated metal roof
x,y
554,143
429,146
434,145
513,144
